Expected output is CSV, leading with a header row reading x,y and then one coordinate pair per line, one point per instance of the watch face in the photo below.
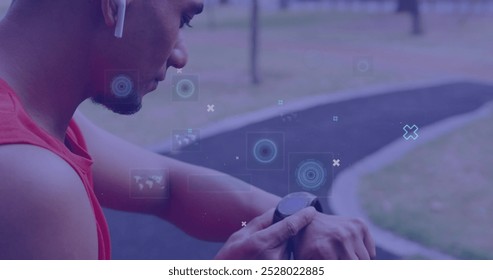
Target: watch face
x,y
291,205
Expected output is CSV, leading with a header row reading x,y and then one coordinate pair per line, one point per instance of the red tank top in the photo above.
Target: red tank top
x,y
16,127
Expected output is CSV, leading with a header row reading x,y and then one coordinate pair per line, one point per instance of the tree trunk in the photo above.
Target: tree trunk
x,y
283,4
408,6
412,7
254,42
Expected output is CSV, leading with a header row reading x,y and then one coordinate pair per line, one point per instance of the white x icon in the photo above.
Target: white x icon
x,y
243,224
336,162
210,108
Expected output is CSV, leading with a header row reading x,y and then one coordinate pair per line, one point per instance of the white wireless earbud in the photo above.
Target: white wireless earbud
x,y
120,23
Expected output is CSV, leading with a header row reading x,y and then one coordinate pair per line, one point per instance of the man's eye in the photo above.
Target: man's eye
x,y
185,21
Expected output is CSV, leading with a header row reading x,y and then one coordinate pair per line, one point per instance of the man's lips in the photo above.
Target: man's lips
x,y
161,75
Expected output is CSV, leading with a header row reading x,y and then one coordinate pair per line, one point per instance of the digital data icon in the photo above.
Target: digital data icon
x,y
185,87
311,172
121,86
149,184
363,65
185,140
289,117
211,108
410,132
265,150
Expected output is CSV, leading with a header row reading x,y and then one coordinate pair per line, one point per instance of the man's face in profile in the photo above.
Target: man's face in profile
x,y
126,69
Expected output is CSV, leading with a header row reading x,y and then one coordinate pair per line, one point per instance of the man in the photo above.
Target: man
x,y
57,168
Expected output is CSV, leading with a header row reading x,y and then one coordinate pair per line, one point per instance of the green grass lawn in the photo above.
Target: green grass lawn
x,y
441,194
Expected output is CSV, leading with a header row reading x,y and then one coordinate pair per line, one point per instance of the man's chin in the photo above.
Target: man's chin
x,y
122,106
125,110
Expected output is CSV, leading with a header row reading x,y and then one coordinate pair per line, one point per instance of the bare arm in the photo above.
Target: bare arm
x,y
45,212
217,215
206,215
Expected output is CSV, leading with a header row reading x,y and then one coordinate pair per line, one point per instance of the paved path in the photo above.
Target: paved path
x,y
345,201
364,125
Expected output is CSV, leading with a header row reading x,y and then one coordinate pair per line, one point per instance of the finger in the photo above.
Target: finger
x,y
278,233
322,250
370,246
330,254
261,222
348,252
369,242
361,250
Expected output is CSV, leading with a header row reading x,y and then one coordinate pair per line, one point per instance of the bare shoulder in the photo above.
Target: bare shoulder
x,y
45,212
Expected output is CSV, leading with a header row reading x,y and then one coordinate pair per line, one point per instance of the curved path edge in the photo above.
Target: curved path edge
x,y
344,198
245,119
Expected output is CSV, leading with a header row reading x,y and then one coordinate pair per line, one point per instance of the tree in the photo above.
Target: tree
x,y
412,7
283,4
254,42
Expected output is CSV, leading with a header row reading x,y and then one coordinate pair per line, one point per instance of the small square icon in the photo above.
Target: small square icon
x,y
363,65
265,151
149,184
185,87
186,140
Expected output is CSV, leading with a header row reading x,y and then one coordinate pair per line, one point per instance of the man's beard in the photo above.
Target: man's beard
x,y
127,105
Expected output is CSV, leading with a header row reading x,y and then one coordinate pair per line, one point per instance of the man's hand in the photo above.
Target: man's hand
x,y
262,240
334,237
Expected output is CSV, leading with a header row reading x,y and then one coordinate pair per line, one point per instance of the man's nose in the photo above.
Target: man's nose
x,y
179,56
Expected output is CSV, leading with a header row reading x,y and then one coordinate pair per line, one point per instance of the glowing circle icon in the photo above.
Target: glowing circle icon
x,y
265,151
363,66
311,174
185,88
122,86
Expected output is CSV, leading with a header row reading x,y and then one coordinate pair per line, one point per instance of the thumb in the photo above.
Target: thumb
x,y
280,232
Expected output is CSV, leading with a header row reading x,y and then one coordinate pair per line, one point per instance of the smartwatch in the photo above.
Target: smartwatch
x,y
295,202
291,204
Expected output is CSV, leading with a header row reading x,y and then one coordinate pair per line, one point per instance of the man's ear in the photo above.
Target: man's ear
x,y
110,11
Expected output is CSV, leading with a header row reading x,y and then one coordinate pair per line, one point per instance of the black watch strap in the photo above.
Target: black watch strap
x,y
291,204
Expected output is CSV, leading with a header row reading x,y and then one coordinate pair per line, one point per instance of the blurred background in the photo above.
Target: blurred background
x,y
250,56
312,48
